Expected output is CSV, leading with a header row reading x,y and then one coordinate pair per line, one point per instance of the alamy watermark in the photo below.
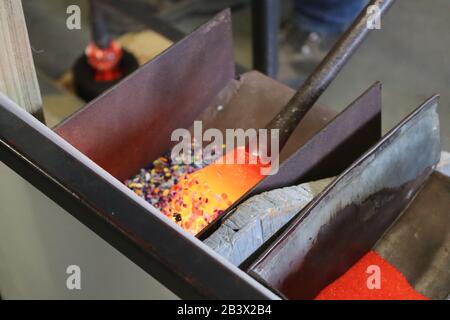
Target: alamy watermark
x,y
73,281
249,146
73,21
374,17
374,280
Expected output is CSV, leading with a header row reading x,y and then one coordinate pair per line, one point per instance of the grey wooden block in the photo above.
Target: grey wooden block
x,y
259,218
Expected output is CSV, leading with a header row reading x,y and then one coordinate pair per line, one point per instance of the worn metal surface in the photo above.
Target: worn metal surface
x,y
266,27
419,243
130,125
325,154
347,219
310,91
175,258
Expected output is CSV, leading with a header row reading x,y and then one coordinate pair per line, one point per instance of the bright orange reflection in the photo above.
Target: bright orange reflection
x,y
200,197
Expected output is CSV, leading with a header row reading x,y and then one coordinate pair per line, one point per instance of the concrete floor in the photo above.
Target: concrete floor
x,y
409,55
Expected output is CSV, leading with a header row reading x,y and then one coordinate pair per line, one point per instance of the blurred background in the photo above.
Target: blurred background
x,y
409,54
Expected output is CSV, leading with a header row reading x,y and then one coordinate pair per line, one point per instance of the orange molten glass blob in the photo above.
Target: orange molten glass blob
x,y
200,197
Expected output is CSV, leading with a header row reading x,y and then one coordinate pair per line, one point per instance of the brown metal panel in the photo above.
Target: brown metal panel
x,y
350,216
130,125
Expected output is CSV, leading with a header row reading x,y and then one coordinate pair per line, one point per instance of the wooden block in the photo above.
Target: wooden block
x,y
17,73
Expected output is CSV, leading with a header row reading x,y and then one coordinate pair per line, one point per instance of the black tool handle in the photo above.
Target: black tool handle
x,y
99,26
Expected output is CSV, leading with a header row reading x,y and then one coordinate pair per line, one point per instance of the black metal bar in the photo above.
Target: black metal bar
x,y
266,23
308,94
99,27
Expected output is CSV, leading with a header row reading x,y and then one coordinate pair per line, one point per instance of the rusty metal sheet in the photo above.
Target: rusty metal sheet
x,y
130,125
327,153
419,242
350,216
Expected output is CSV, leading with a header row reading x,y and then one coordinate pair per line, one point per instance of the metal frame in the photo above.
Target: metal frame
x,y
98,199
108,208
266,25
93,196
354,211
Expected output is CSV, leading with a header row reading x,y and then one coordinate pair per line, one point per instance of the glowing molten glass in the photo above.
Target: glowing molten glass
x,y
200,197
